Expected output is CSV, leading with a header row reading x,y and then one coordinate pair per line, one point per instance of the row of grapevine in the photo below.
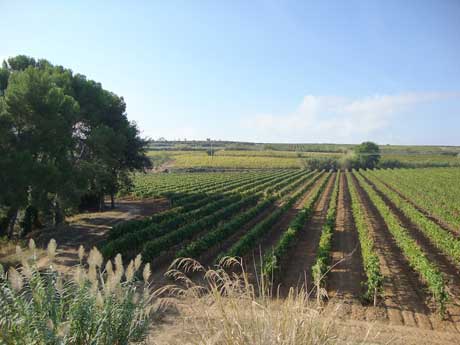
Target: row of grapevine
x,y
198,247
248,241
180,185
189,209
219,234
272,260
436,190
156,247
417,259
162,244
156,184
135,240
374,278
321,265
202,160
441,238
188,198
231,185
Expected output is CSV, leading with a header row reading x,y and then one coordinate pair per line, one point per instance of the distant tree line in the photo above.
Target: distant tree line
x,y
363,156
64,141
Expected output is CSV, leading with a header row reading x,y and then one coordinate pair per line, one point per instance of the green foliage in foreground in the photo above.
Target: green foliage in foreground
x,y
95,306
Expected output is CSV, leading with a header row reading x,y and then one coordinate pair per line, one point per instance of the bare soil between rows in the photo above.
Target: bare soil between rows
x,y
296,267
447,268
405,301
346,260
253,260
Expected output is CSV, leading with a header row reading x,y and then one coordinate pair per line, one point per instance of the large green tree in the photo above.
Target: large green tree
x,y
62,137
367,155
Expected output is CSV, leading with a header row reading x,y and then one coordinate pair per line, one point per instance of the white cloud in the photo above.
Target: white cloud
x,y
338,119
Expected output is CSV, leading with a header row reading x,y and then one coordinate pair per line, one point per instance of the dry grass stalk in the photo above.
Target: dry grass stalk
x,y
226,309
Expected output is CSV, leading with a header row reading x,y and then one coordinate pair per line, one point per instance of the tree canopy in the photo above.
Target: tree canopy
x,y
367,155
62,137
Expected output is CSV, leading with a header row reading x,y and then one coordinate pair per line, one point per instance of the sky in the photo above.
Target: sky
x,y
260,71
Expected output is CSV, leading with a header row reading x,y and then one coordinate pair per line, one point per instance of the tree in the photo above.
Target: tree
x,y
20,62
61,137
367,155
39,119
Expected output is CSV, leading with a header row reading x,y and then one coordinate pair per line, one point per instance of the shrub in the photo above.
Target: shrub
x,y
96,306
321,163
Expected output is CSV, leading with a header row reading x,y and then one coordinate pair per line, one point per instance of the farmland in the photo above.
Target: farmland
x,y
385,241
193,156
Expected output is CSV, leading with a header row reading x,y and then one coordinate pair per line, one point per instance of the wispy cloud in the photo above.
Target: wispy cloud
x,y
334,119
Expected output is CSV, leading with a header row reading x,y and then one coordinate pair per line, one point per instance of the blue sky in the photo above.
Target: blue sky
x,y
266,71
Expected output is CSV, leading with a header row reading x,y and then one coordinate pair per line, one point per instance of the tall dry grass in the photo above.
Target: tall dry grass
x,y
108,303
224,308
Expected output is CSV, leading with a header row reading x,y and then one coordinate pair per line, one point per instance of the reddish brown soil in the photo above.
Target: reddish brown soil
x,y
89,229
270,240
447,268
347,273
296,267
404,296
162,263
209,257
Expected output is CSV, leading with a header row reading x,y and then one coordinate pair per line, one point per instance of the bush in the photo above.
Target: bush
x,y
321,164
391,163
367,154
95,306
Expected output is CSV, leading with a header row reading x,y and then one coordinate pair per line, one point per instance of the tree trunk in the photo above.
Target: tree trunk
x,y
12,217
112,200
375,297
101,202
58,214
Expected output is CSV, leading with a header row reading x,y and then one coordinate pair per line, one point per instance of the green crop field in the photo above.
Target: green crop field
x,y
287,215
226,157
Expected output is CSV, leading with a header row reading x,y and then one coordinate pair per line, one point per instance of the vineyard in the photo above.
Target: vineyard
x,y
279,157
387,241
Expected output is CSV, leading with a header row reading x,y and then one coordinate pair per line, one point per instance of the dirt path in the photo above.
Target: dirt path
x,y
181,328
347,272
447,268
296,268
380,333
404,297
90,229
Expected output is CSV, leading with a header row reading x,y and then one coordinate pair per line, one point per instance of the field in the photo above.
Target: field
x,y
275,156
384,241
